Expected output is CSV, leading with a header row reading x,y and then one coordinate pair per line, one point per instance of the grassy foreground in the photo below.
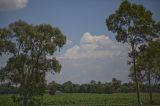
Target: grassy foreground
x,y
82,99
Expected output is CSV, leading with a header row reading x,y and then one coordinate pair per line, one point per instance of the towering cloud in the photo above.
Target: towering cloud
x,y
95,57
92,46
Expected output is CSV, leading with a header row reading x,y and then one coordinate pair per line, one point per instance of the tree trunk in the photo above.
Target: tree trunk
x,y
25,101
150,88
137,86
136,77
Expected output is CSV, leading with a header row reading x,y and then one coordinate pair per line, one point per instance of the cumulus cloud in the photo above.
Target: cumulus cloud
x,y
6,5
92,46
2,65
85,70
93,58
68,42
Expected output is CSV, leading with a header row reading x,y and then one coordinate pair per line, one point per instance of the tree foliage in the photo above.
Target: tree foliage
x,y
116,86
132,24
6,46
28,66
148,63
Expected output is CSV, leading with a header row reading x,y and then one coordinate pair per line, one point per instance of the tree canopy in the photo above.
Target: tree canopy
x,y
132,24
29,64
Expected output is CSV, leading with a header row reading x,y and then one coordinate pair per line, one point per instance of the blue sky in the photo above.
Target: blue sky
x,y
83,22
73,17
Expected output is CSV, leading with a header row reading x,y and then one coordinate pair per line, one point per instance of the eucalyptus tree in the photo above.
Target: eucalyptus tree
x,y
132,24
149,60
30,63
6,47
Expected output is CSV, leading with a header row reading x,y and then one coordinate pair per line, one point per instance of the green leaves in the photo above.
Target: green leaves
x,y
6,45
29,64
148,61
132,24
130,21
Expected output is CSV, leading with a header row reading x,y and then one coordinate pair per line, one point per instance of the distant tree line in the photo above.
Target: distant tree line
x,y
6,88
115,86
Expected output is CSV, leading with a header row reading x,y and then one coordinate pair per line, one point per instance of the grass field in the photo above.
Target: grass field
x,y
82,99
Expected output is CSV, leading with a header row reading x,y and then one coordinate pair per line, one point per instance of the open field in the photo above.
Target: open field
x,y
81,99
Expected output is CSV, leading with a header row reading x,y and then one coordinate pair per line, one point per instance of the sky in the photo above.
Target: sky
x,y
91,52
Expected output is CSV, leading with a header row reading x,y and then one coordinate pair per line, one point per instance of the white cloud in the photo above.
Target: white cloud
x,y
68,42
6,5
84,70
93,58
88,38
92,46
2,65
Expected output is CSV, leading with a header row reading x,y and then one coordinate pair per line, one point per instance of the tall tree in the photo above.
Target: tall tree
x,y
30,63
144,63
149,60
132,24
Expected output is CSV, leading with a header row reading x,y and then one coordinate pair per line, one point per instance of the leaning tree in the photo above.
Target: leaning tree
x,y
28,66
132,24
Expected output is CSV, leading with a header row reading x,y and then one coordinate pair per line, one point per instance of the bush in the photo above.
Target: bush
x,y
52,90
8,90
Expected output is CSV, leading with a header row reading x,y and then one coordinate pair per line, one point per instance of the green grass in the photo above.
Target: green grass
x,y
5,100
87,99
109,99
